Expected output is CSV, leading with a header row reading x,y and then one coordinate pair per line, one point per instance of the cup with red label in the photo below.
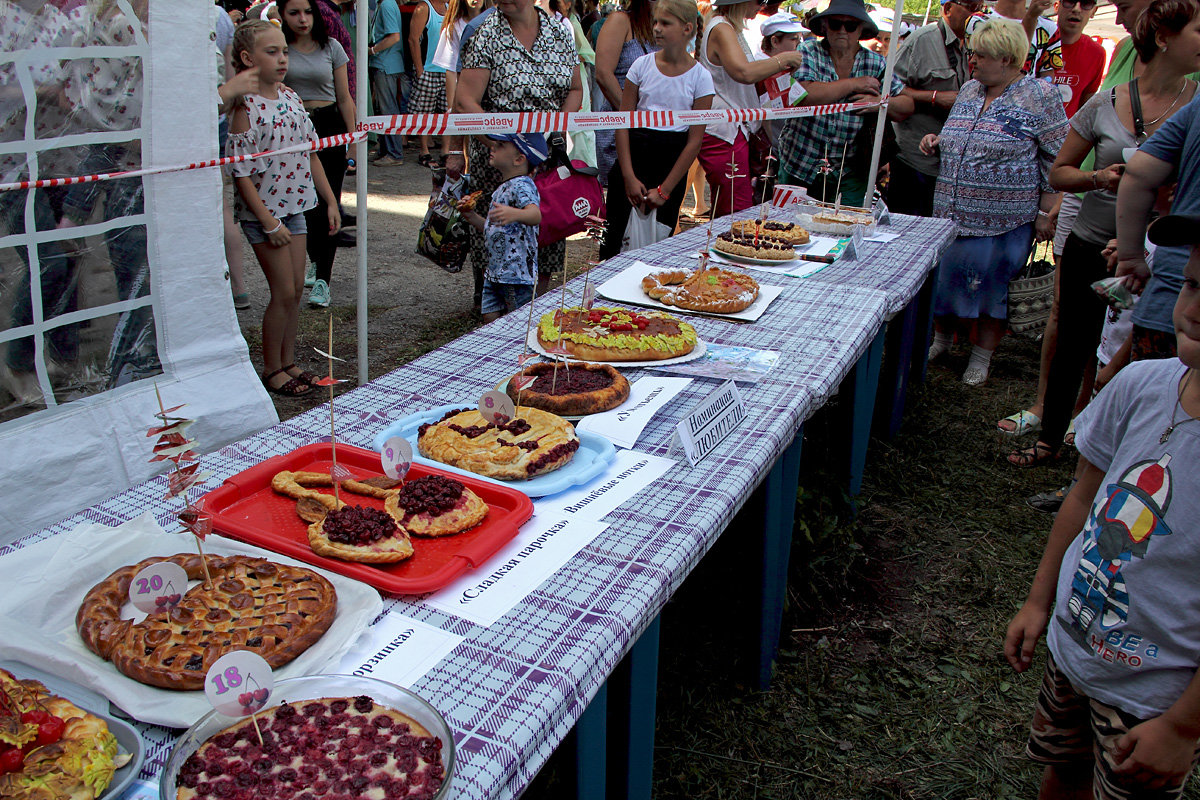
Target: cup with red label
x,y
239,683
158,587
396,456
497,407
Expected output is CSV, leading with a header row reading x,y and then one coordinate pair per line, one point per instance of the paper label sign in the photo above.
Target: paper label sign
x,y
629,473
544,544
710,422
398,649
624,424
396,457
239,683
158,587
497,407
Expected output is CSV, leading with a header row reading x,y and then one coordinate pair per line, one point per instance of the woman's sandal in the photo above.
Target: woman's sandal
x,y
1023,422
293,388
425,159
304,377
1041,453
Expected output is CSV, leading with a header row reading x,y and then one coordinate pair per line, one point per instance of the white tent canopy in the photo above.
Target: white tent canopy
x,y
70,455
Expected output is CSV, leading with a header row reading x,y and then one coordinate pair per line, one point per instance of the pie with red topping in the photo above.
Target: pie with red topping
x,y
433,505
712,289
335,747
615,334
534,443
764,248
275,610
360,533
789,232
574,390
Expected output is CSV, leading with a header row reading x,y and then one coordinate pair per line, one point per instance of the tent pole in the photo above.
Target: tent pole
x,y
881,117
928,8
362,22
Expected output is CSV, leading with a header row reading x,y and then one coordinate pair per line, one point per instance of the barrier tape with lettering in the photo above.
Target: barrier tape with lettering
x,y
468,124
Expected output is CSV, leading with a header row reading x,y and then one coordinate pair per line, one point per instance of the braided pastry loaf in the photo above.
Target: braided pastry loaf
x,y
274,610
715,290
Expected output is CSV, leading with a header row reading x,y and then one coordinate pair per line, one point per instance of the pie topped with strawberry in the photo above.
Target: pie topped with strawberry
x,y
615,334
329,748
568,390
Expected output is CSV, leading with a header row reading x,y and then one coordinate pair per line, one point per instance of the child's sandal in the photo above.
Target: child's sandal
x,y
294,387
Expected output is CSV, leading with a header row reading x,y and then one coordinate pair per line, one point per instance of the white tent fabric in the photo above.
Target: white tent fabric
x,y
66,457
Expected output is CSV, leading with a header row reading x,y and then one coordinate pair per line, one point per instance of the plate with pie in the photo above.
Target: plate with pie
x,y
618,336
572,391
410,749
246,507
626,287
48,581
589,460
92,721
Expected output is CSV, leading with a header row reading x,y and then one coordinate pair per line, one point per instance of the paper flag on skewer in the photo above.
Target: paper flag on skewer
x,y
164,412
183,479
196,522
327,381
589,296
521,382
322,352
175,428
521,359
558,349
340,473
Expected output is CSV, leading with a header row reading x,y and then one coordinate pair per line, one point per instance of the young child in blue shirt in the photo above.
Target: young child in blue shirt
x,y
1119,708
510,231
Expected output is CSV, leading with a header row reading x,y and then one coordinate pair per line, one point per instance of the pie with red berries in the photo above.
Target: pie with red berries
x,y
534,443
712,289
433,505
275,610
749,245
615,334
575,390
360,533
789,232
334,747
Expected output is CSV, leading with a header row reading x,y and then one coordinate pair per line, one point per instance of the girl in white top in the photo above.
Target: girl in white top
x,y
458,14
724,52
273,192
652,163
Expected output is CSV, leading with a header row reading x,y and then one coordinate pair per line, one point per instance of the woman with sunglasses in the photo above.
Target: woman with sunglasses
x,y
995,150
1167,38
835,68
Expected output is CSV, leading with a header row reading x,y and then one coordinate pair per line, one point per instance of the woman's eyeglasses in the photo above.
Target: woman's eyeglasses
x,y
847,25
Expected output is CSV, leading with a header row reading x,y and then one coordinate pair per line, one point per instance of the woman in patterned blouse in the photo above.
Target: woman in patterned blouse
x,y
519,60
996,150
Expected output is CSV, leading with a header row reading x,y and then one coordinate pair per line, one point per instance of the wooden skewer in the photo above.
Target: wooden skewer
x,y
333,473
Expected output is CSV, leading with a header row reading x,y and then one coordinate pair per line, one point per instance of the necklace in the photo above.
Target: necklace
x,y
1171,428
1163,114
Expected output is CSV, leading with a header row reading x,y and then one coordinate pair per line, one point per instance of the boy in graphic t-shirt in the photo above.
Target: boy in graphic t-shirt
x,y
510,232
1082,56
1119,708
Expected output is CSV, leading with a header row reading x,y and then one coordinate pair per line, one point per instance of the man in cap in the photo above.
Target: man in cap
x,y
932,65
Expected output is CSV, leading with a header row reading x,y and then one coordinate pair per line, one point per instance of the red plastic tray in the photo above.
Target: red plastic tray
x,y
245,507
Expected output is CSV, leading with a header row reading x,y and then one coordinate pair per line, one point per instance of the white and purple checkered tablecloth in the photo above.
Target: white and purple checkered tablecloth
x,y
513,691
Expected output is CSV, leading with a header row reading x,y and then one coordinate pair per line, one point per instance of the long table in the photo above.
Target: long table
x,y
512,691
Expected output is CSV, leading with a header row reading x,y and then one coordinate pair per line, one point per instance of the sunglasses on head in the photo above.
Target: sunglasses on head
x,y
1086,5
974,8
847,25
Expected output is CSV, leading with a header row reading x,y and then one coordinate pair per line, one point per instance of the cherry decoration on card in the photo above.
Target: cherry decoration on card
x,y
396,457
497,407
239,683
158,587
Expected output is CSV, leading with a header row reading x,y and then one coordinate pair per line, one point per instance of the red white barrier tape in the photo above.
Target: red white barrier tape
x,y
467,124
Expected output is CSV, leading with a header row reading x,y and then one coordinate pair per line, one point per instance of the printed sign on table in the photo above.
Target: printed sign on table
x,y
624,424
710,422
629,473
398,650
544,544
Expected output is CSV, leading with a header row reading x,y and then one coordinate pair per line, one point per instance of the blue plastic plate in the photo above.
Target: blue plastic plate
x,y
594,455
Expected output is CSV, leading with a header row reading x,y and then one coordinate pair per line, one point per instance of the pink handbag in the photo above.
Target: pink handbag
x,y
568,197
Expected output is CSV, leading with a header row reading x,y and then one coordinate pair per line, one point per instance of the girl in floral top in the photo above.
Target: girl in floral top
x,y
273,192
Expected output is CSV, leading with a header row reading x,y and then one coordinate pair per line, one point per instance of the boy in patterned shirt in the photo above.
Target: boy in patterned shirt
x,y
510,231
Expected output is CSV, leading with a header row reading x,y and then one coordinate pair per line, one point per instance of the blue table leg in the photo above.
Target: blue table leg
x,y
591,738
778,519
924,332
902,332
864,383
643,694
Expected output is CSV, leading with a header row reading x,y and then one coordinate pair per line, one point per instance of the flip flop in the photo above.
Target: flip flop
x,y
1023,422
1069,436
